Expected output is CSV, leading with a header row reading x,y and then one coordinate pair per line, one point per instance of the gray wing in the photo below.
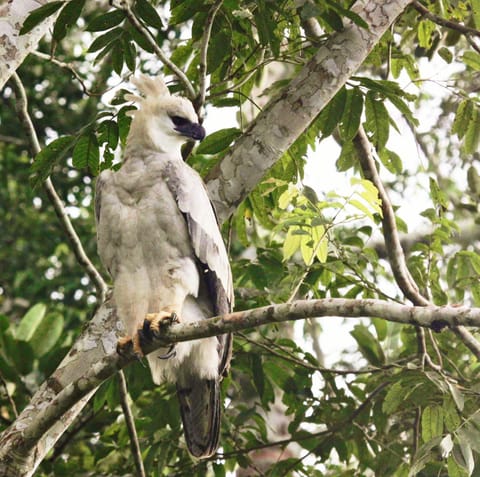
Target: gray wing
x,y
200,398
192,198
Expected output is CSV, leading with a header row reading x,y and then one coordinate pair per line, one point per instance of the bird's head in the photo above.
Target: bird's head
x,y
162,122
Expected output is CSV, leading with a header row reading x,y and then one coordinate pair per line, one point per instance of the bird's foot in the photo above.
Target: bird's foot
x,y
127,345
152,325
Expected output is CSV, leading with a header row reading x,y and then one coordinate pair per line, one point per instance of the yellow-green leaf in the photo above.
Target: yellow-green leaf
x,y
29,323
292,242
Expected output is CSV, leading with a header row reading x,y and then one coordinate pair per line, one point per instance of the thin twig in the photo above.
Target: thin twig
x,y
9,397
75,243
285,355
145,32
202,66
67,66
132,431
327,432
443,21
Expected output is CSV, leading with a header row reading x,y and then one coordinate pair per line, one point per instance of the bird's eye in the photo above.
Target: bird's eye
x,y
179,121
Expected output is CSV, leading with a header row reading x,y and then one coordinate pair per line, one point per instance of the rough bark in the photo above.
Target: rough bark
x,y
13,47
285,118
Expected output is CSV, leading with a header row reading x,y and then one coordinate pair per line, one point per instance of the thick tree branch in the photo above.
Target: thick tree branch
x,y
286,117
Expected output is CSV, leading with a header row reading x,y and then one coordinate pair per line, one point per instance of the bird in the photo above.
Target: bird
x,y
159,238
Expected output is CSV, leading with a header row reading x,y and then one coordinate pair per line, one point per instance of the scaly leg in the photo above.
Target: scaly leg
x,y
153,323
127,345
146,333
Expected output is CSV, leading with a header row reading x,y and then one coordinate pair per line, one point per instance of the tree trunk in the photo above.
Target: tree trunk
x,y
13,47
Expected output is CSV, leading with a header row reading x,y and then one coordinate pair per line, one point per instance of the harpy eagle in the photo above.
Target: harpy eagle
x,y
159,239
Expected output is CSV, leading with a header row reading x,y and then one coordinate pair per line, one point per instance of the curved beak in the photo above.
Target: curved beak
x,y
191,130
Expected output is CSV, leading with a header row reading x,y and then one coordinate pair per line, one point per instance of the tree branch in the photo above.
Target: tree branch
x,y
395,252
443,21
202,66
75,243
96,350
286,117
392,238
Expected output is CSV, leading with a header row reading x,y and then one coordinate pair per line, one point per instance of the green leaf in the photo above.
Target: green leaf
x,y
258,374
105,39
148,14
130,54
86,153
38,15
352,114
432,422
357,19
394,397
218,141
106,21
368,345
425,33
44,161
117,58
454,469
391,160
266,26
457,395
219,50
462,118
332,113
445,54
472,136
472,59
108,133
30,321
23,358
67,18
291,243
377,120
475,6
47,334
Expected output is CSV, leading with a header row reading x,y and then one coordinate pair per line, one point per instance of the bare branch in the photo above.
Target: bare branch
x,y
395,251
75,243
202,67
132,431
145,32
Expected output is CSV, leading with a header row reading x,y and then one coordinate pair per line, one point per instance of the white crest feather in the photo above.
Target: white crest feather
x,y
150,86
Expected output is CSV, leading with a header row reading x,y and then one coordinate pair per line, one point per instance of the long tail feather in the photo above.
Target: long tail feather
x,y
200,409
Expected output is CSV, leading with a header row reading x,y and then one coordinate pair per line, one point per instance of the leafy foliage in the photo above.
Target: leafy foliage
x,y
382,408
